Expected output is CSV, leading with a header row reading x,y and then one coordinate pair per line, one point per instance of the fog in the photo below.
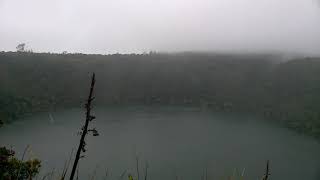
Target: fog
x,y
127,26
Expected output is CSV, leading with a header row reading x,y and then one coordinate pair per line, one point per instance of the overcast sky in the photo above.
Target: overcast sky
x,y
125,26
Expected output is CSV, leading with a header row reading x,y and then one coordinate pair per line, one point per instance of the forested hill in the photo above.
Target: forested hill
x,y
288,91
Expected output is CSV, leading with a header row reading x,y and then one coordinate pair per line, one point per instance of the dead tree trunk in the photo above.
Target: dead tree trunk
x,y
84,129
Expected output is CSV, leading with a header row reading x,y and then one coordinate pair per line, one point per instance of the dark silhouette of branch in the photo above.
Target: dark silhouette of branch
x,y
266,175
24,153
66,166
84,129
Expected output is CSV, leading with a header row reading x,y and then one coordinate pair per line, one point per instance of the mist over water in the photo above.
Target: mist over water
x,y
175,141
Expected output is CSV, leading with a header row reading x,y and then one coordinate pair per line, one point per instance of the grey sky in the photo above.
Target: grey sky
x,y
109,26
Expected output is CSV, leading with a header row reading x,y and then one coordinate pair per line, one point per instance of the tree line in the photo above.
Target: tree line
x,y
264,84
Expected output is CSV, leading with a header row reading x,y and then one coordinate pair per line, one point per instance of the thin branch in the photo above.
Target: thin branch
x,y
123,173
24,153
46,175
266,175
66,166
52,174
84,132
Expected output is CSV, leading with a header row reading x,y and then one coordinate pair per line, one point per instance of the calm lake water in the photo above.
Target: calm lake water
x,y
176,143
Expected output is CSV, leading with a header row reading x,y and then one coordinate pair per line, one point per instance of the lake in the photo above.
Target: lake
x,y
177,143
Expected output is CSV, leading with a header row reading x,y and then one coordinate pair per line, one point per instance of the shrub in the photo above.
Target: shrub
x,y
13,168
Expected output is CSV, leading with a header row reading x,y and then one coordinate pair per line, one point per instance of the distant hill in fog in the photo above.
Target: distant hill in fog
x,y
269,85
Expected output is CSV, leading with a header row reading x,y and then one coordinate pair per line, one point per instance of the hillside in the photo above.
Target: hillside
x,y
286,91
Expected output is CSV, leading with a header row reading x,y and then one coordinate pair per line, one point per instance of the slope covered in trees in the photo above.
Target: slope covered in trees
x,y
287,91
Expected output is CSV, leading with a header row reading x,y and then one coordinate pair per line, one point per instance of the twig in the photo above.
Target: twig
x,y
24,152
46,175
123,173
266,175
52,174
66,166
243,171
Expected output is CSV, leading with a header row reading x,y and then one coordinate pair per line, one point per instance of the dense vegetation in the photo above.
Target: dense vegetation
x,y
286,91
13,168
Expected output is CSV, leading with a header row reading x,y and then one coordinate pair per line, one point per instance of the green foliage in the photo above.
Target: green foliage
x,y
12,107
12,168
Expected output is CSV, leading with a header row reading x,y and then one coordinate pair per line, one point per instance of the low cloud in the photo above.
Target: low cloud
x,y
126,26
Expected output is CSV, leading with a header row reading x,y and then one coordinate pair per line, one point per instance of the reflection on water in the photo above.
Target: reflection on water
x,y
174,142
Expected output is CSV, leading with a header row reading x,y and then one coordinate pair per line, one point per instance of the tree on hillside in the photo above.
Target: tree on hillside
x,y
20,47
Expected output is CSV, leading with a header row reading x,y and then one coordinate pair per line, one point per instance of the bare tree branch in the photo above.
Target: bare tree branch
x,y
84,129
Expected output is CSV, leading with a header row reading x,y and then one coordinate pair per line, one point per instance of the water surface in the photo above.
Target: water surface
x,y
176,143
